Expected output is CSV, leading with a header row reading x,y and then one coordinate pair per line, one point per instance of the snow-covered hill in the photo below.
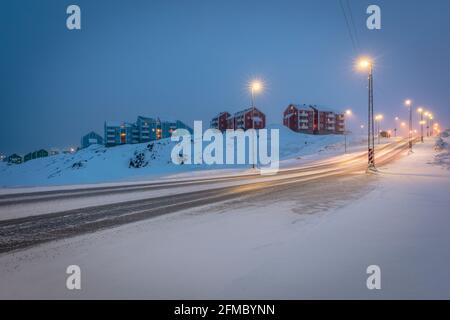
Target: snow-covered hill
x,y
145,161
442,147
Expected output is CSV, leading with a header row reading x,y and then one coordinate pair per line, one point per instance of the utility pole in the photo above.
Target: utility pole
x,y
255,86
378,131
408,103
420,110
366,64
345,143
370,124
253,126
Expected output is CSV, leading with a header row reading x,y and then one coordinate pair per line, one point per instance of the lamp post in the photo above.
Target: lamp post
x,y
378,119
348,113
427,117
395,129
255,86
430,117
403,124
435,128
366,64
420,110
408,103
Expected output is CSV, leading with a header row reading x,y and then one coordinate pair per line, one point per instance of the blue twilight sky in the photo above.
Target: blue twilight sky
x,y
189,59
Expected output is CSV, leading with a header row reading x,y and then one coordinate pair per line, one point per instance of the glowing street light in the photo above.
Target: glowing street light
x,y
395,129
366,64
348,113
436,128
408,103
378,119
430,118
421,111
255,86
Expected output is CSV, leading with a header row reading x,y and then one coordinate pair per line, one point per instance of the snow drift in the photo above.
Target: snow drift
x,y
146,161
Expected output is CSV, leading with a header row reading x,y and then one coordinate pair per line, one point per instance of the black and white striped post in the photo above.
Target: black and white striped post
x,y
408,103
367,64
370,125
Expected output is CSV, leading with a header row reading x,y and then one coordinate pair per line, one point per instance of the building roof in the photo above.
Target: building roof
x,y
320,108
221,113
239,113
14,155
92,133
113,123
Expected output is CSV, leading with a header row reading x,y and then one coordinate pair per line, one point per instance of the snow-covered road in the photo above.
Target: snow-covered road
x,y
314,242
35,228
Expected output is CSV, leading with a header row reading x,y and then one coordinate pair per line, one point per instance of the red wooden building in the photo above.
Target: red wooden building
x,y
240,120
220,121
309,119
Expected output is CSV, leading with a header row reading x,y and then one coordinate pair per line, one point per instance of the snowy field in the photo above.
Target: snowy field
x,y
98,164
314,242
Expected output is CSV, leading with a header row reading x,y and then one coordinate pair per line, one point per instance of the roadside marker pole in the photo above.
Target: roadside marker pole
x,y
410,128
370,126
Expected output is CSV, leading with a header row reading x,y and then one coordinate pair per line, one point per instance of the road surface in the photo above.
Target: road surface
x,y
32,230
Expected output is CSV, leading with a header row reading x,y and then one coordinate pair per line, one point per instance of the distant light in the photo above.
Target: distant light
x,y
396,118
420,110
408,102
364,63
256,85
362,126
379,117
403,124
348,112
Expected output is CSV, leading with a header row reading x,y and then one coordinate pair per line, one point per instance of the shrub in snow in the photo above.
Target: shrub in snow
x,y
138,160
79,164
440,145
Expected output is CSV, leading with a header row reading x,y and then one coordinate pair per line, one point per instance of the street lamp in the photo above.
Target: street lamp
x,y
395,129
367,65
348,113
408,103
420,110
436,128
430,117
255,86
378,119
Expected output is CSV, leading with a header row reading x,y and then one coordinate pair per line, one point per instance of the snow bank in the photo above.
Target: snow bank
x,y
146,161
442,147
265,249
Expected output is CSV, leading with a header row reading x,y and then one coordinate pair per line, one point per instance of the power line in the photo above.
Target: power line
x,y
348,27
355,33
